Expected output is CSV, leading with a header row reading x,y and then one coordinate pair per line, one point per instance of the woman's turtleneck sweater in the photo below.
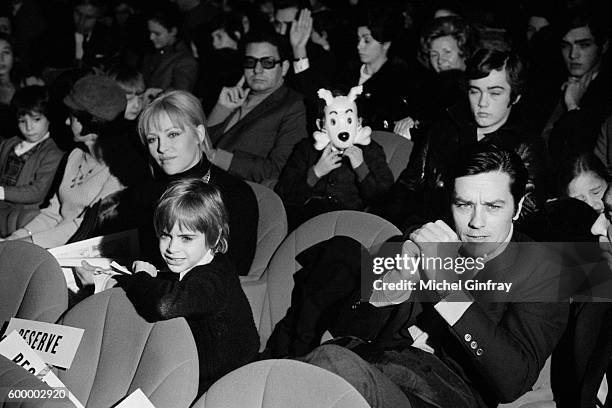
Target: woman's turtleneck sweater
x,y
239,200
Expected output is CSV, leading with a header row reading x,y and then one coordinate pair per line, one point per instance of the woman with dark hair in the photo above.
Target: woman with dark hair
x,y
224,67
384,77
171,65
585,178
95,103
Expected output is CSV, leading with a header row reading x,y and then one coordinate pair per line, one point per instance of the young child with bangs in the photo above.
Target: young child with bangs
x,y
28,162
199,283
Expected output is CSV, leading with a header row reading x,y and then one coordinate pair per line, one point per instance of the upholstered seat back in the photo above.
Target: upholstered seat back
x,y
281,384
370,230
271,228
121,352
32,285
397,150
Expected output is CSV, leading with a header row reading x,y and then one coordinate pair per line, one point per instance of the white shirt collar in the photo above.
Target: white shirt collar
x,y
24,146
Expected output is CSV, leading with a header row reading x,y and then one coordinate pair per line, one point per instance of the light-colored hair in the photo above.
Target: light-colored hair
x,y
183,110
196,206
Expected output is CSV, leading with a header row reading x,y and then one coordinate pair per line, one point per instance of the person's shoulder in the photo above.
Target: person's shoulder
x,y
289,96
220,268
230,184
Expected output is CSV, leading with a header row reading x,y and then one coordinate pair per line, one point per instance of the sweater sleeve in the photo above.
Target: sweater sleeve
x,y
50,229
161,299
379,178
293,185
37,189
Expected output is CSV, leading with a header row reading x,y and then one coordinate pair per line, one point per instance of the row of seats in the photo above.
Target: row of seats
x,y
97,379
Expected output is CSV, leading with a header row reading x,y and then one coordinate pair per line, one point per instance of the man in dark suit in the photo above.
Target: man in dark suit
x,y
586,98
583,356
254,125
463,346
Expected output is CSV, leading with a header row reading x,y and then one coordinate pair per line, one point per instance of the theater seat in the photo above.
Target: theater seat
x,y
370,230
281,384
121,352
14,377
271,228
32,285
397,150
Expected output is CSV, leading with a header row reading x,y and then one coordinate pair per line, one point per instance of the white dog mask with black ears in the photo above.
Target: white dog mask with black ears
x,y
341,126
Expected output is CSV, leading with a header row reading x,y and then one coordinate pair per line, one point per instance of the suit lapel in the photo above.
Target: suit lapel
x,y
268,104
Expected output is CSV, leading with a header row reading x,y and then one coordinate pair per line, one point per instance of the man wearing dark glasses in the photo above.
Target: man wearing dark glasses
x,y
255,124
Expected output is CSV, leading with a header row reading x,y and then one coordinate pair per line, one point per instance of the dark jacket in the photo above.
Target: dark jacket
x,y
263,139
351,189
171,68
498,334
210,298
385,94
418,194
568,133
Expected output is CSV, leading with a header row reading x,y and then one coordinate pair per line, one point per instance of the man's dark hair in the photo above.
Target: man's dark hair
x,y
270,37
589,17
487,157
486,60
168,16
31,99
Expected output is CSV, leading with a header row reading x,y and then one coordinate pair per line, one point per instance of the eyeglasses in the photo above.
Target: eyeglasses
x,y
266,62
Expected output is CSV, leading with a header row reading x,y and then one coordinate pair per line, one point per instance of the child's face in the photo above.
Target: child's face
x,y
182,249
134,105
33,126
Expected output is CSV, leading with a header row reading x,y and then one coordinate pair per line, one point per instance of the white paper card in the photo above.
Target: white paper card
x,y
137,399
56,344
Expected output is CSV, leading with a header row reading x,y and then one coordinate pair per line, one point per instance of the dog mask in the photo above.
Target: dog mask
x,y
341,127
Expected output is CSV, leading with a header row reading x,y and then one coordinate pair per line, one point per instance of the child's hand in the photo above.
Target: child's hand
x,y
355,155
328,161
142,266
86,272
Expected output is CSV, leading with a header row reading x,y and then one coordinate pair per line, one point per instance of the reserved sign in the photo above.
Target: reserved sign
x,y
17,350
56,344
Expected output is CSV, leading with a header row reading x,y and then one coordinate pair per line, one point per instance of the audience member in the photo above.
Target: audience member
x,y
495,84
255,124
343,176
28,162
29,25
198,281
585,178
457,350
171,65
385,79
95,103
224,67
448,43
172,130
9,83
313,65
582,358
587,93
87,42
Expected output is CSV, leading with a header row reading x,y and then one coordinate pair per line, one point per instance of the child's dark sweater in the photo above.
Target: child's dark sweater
x,y
210,298
351,189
